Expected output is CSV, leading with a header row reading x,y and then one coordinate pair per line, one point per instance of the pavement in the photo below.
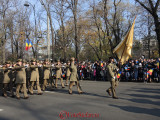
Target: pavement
x,y
137,101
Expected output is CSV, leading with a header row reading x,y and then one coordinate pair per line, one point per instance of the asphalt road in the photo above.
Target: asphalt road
x,y
137,101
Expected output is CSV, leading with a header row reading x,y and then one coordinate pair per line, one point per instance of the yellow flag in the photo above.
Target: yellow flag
x,y
123,49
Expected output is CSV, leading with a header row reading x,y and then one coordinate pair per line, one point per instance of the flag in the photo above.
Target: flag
x,y
119,74
147,75
27,45
63,75
101,64
150,72
158,65
30,45
123,49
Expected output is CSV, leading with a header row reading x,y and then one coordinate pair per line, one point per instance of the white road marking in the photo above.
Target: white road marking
x,y
49,92
1,110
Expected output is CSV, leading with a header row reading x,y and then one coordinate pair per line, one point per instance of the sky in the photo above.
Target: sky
x,y
39,7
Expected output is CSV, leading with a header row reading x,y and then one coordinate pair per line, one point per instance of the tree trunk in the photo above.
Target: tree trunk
x,y
157,30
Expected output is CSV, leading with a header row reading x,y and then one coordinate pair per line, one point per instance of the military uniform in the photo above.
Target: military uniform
x,y
68,73
20,79
34,78
74,78
59,75
46,74
7,80
111,74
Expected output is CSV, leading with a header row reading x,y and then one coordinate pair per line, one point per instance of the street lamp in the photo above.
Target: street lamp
x,y
48,34
27,4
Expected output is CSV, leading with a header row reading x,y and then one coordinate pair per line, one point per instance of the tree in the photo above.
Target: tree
x,y
153,8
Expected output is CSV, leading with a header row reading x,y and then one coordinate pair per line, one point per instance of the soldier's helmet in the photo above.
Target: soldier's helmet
x,y
33,60
19,60
58,60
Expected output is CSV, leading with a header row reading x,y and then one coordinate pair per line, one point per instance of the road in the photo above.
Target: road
x,y
137,101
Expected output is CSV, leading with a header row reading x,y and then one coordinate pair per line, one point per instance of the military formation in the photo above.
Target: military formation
x,y
25,77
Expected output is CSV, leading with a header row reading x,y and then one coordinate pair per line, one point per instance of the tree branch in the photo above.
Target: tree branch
x,y
144,6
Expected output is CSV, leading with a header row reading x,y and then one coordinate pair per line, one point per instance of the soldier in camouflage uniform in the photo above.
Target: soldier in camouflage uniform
x,y
111,74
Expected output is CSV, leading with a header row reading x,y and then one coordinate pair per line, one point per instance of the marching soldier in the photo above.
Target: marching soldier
x,y
58,74
68,72
1,78
7,79
74,78
20,79
40,69
111,69
34,78
46,73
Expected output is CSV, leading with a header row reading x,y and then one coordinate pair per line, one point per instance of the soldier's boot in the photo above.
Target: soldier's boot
x,y
25,91
17,91
62,83
109,91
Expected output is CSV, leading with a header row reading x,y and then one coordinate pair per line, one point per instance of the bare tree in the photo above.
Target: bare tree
x,y
153,8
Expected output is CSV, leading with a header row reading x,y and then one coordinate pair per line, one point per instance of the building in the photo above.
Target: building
x,y
149,46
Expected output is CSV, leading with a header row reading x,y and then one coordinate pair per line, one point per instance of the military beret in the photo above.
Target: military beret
x,y
8,62
111,58
68,61
33,60
72,59
46,60
24,61
19,60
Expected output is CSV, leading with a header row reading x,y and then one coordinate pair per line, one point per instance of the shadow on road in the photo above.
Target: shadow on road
x,y
132,109
76,92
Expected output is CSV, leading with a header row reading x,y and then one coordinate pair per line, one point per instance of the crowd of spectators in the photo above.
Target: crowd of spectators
x,y
144,70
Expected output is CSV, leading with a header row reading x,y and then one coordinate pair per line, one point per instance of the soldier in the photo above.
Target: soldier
x,y
58,74
111,70
46,73
40,69
7,79
74,77
34,77
68,72
27,75
20,79
1,78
